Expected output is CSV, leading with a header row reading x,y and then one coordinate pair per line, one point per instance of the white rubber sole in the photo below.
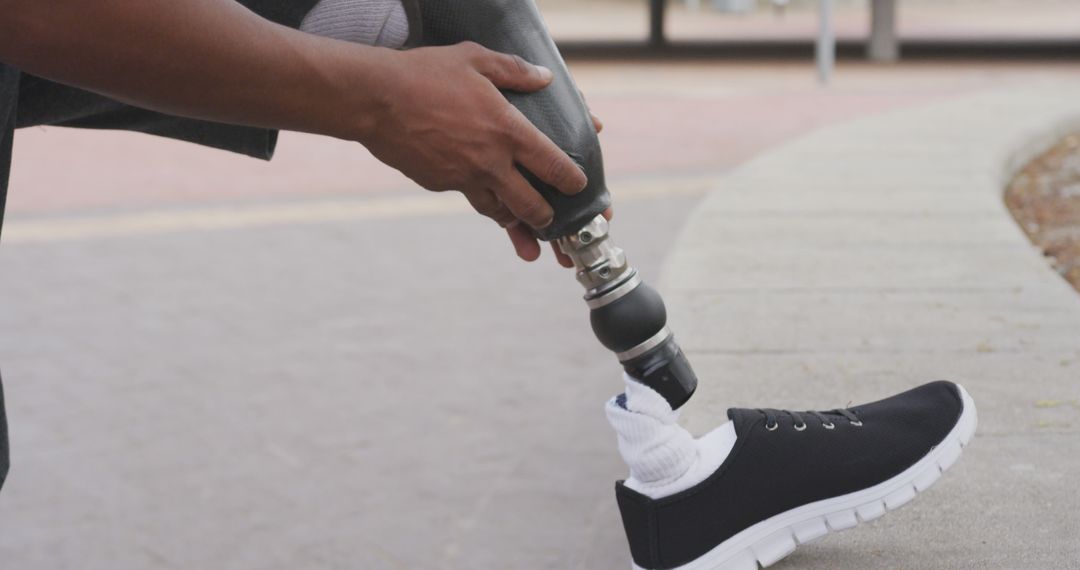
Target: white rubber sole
x,y
772,539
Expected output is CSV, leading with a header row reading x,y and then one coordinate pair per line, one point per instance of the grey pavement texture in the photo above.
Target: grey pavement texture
x,y
216,364
873,256
396,391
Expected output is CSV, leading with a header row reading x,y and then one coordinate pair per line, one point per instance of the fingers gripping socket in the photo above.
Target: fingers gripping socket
x,y
558,111
627,315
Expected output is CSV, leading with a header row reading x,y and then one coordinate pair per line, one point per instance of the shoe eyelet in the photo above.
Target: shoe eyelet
x,y
857,423
772,427
800,427
828,425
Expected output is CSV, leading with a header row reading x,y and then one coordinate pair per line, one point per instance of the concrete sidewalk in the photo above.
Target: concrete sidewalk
x,y
873,256
223,364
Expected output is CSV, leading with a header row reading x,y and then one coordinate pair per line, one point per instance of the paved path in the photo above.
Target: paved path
x,y
869,257
224,364
662,120
341,395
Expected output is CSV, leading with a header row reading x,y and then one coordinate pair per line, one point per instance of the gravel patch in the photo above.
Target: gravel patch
x,y
1045,200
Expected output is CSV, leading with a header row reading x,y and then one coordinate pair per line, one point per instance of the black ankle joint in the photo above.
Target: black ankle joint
x,y
666,370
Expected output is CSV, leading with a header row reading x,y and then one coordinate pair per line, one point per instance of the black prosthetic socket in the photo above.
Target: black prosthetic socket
x,y
634,326
627,316
516,27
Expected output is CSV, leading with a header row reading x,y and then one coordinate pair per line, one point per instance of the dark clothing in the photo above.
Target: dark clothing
x,y
9,88
43,102
26,100
9,97
4,461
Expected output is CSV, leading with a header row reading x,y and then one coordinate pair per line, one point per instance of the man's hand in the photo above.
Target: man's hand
x,y
446,126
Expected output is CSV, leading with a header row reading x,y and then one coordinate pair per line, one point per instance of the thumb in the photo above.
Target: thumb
x,y
511,72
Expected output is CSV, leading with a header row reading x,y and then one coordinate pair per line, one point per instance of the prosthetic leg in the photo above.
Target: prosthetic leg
x,y
727,500
627,315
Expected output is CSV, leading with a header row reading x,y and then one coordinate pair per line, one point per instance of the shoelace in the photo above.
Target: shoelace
x,y
772,425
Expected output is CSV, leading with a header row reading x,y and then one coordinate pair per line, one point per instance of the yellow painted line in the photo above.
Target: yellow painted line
x,y
203,219
50,230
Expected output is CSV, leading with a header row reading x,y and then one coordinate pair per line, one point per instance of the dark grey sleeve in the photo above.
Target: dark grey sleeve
x,y
4,455
44,102
9,91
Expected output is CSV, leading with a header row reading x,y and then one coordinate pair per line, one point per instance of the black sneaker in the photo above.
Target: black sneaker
x,y
794,476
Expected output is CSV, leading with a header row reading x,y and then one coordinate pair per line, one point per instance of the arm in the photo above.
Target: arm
x,y
206,59
436,114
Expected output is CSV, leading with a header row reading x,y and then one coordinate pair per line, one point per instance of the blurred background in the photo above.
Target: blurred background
x,y
944,21
215,362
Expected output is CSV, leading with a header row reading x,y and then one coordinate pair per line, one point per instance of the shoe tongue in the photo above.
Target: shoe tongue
x,y
743,418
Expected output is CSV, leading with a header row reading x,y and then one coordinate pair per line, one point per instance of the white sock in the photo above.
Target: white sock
x,y
372,22
663,457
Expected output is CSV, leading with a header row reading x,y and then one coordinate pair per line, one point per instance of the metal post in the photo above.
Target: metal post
x,y
657,8
826,42
883,44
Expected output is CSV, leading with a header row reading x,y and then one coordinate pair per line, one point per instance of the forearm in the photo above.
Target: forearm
x,y
207,59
